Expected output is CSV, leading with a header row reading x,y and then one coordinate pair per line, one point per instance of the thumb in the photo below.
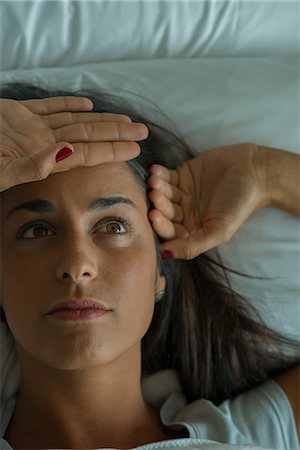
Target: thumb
x,y
198,242
45,162
35,167
182,248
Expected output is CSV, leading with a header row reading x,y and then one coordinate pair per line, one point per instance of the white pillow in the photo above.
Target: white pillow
x,y
213,102
63,33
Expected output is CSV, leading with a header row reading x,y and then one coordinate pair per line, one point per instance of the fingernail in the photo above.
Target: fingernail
x,y
63,153
167,254
144,131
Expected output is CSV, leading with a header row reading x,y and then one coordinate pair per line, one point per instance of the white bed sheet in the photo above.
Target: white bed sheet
x,y
43,33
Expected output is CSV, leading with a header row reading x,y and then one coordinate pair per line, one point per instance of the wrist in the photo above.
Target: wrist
x,y
260,161
280,175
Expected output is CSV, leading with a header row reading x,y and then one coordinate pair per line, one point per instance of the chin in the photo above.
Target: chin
x,y
73,360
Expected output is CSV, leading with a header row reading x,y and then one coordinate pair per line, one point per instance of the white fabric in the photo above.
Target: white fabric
x,y
64,33
259,418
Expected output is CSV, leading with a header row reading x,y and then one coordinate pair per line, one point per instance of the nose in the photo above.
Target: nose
x,y
78,259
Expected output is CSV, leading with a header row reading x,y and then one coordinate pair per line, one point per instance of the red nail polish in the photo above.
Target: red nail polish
x,y
63,153
166,254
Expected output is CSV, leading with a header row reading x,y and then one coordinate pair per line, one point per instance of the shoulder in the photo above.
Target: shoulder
x,y
4,445
261,416
289,382
6,411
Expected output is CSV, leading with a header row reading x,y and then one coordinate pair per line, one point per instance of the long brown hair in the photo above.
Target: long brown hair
x,y
212,337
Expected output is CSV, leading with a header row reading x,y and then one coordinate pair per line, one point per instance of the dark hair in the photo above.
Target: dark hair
x,y
212,337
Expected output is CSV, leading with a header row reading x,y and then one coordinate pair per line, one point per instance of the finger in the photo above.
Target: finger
x,y
92,154
40,165
109,131
165,228
170,210
170,191
67,118
171,176
53,105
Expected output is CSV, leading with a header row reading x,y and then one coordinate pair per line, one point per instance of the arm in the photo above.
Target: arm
x,y
282,172
202,203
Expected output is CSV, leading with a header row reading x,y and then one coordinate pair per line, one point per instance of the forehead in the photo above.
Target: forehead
x,y
79,184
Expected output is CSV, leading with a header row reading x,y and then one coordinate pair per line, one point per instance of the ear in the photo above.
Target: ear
x,y
160,284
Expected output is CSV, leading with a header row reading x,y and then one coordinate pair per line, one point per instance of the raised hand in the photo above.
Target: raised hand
x,y
33,131
202,203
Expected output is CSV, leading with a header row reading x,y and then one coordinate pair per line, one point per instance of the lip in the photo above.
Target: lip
x,y
78,314
75,306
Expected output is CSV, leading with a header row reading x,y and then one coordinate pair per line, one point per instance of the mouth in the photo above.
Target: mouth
x,y
79,309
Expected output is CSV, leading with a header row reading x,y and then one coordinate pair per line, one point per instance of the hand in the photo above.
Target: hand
x,y
202,203
33,131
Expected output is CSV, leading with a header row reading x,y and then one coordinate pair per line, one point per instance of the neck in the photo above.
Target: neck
x,y
98,406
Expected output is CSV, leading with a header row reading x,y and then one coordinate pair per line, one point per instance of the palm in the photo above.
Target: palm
x,y
22,132
221,199
203,202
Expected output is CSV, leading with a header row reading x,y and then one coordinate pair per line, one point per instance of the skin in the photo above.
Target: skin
x,y
203,202
88,372
33,131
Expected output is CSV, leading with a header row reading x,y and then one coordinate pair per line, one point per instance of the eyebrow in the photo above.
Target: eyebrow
x,y
44,206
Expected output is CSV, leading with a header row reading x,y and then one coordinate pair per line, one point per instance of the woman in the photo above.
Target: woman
x,y
101,246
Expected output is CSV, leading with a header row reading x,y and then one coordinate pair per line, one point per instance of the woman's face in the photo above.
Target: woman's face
x,y
105,252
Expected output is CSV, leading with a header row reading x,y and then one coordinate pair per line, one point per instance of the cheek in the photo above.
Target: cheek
x,y
19,273
21,281
134,272
132,281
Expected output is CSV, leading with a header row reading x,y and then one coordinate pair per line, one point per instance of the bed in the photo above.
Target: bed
x,y
220,72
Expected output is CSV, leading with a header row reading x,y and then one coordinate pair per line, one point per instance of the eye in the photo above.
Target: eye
x,y
34,230
117,225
